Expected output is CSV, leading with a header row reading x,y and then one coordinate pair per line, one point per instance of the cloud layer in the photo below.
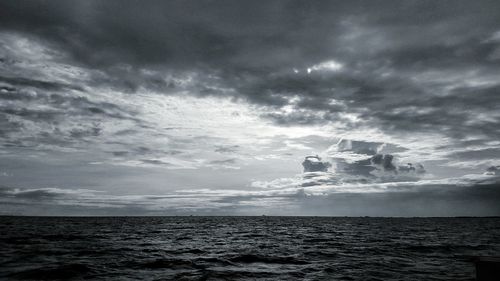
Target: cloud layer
x,y
218,95
468,196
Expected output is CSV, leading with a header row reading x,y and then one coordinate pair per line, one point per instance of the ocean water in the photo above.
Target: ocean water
x,y
243,248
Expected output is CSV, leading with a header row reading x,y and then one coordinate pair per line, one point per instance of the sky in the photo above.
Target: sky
x,y
209,107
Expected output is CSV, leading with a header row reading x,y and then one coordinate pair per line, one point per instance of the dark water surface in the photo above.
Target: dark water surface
x,y
243,248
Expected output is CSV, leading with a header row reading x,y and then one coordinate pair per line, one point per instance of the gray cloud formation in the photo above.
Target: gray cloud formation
x,y
493,170
405,68
364,161
61,116
421,64
314,164
479,198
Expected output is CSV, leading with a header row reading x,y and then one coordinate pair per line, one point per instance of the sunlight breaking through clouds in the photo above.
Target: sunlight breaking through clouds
x,y
326,66
115,104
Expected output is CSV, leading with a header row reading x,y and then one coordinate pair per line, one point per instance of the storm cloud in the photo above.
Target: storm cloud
x,y
399,64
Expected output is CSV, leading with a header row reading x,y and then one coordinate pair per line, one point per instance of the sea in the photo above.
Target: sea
x,y
244,248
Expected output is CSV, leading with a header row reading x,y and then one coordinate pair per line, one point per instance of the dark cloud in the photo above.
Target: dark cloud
x,y
156,162
314,164
40,84
379,167
298,118
224,161
252,48
143,151
120,153
93,131
61,104
364,161
229,31
227,148
493,170
426,201
31,194
63,113
491,153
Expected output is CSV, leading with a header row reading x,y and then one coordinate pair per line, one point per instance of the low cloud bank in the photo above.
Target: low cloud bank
x,y
314,193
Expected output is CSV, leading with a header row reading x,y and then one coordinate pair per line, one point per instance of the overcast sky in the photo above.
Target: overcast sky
x,y
209,107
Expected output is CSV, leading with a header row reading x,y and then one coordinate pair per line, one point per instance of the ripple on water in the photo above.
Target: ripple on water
x,y
243,248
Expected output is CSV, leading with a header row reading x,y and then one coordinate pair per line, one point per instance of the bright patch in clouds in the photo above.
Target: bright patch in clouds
x,y
330,65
